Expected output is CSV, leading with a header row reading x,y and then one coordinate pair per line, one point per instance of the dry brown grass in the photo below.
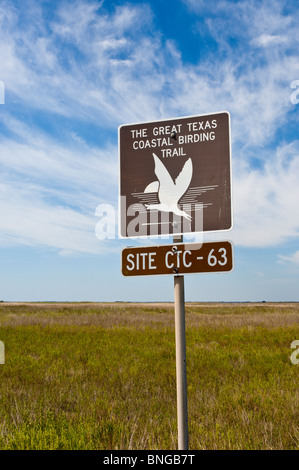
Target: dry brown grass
x,y
141,315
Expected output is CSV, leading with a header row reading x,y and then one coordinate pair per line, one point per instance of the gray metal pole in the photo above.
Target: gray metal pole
x,y
181,370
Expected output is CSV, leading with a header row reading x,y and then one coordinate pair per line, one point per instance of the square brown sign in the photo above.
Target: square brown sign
x,y
175,176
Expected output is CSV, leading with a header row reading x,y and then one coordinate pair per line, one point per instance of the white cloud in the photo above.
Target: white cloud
x,y
266,200
266,40
49,190
27,220
105,70
70,69
294,258
252,83
113,68
73,165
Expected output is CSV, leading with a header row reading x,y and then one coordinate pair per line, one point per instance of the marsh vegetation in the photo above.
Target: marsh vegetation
x,y
102,376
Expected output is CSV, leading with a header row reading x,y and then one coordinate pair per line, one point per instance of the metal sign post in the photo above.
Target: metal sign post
x,y
181,367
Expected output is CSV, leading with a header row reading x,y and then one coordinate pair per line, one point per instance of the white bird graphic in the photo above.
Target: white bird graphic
x,y
169,191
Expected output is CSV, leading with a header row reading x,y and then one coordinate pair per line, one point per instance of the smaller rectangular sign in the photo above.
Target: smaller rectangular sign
x,y
179,258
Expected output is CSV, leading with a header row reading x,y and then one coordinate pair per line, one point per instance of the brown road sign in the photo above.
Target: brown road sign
x,y
180,258
175,176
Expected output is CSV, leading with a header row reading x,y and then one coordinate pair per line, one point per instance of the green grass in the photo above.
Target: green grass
x,y
102,376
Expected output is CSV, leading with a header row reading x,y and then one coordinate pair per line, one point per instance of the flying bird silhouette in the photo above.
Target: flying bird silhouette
x,y
169,191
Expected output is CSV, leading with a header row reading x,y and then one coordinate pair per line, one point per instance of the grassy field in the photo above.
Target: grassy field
x,y
102,376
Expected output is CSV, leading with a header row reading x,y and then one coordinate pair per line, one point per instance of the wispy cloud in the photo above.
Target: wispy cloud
x,y
71,79
294,258
265,200
49,190
89,64
27,219
266,40
72,164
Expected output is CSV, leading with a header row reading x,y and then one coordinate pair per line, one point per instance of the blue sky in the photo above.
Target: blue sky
x,y
74,71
